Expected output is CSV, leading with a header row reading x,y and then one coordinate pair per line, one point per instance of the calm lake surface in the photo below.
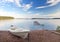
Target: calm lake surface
x,y
48,24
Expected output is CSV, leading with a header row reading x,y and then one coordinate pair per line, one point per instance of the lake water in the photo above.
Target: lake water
x,y
48,24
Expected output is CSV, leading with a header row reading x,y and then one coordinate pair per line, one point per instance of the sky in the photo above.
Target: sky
x,y
30,8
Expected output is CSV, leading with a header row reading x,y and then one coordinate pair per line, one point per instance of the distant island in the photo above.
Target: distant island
x,y
38,18
5,17
45,18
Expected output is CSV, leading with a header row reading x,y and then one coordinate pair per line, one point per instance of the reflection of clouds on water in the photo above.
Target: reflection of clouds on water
x,y
44,24
30,24
56,22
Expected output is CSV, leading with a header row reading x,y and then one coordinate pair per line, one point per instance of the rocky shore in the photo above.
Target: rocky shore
x,y
34,36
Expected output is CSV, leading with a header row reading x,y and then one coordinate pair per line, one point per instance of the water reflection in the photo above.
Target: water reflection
x,y
30,24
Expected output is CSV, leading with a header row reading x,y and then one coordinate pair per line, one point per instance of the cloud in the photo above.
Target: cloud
x,y
13,14
52,3
37,15
17,2
55,15
26,6
10,0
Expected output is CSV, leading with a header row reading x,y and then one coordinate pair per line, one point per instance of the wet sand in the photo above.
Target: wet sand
x,y
34,36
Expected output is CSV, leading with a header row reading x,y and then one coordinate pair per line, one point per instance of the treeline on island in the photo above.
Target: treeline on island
x,y
6,17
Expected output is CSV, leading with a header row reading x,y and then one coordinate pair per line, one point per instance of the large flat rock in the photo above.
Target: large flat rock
x,y
34,36
43,36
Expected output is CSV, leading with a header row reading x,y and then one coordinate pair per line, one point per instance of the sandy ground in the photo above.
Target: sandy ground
x,y
34,36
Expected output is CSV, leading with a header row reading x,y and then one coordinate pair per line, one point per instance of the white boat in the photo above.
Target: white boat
x,y
23,33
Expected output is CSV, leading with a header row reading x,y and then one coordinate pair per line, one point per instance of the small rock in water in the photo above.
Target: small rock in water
x,y
36,23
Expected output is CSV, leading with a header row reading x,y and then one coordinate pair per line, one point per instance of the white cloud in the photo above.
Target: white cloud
x,y
10,0
38,15
17,2
13,14
35,16
56,14
26,6
53,15
53,2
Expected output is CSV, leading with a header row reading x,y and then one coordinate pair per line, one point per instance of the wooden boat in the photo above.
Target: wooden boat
x,y
23,33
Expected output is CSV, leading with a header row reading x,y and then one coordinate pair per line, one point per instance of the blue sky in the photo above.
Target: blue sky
x,y
30,8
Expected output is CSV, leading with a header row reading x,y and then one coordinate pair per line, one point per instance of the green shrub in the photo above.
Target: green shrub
x,y
58,29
